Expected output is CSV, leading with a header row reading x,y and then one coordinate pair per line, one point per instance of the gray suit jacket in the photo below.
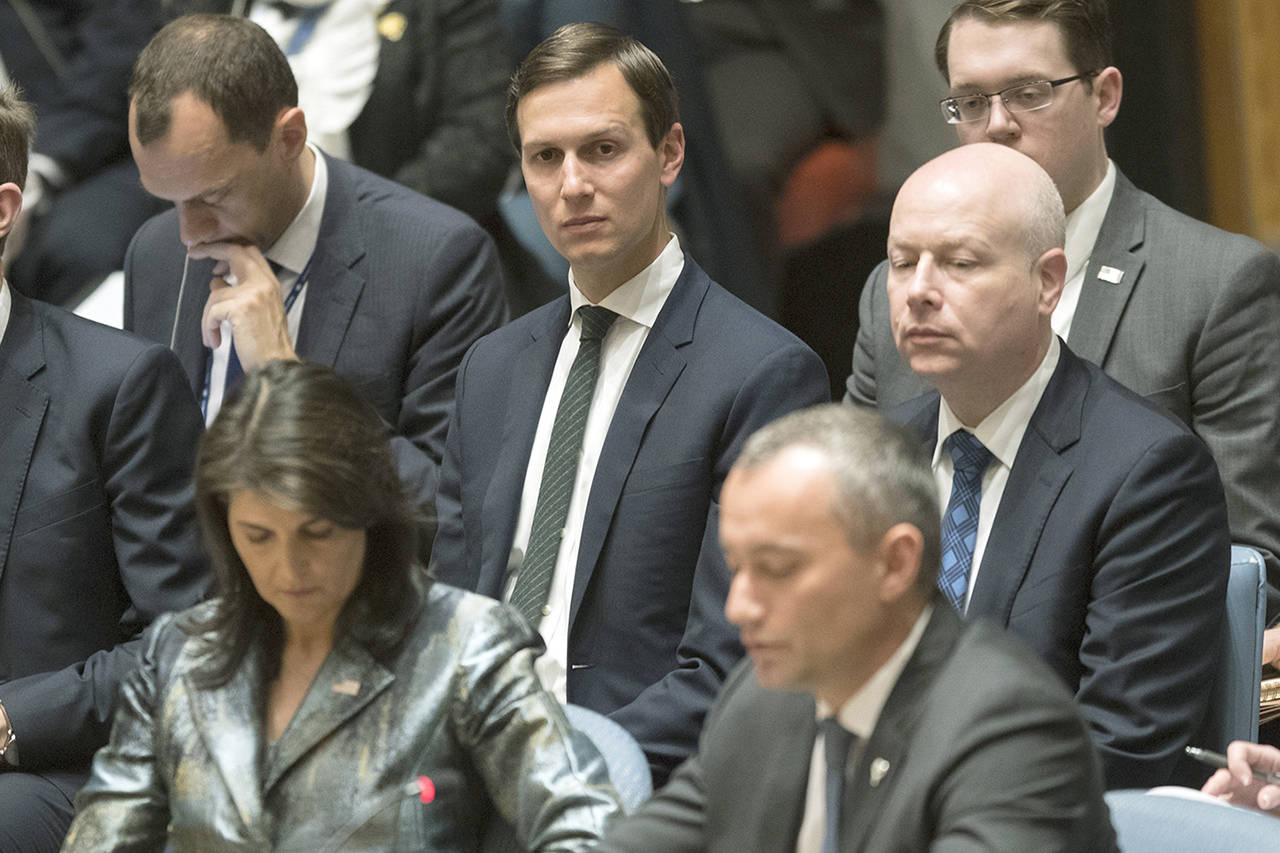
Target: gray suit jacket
x,y
983,749
1193,324
457,701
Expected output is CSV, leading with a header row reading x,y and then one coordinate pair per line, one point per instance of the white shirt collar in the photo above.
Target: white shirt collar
x,y
862,710
6,306
641,297
295,246
1001,431
1084,223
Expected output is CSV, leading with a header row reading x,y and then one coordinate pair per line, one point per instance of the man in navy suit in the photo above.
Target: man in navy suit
x,y
589,500
97,530
1179,311
274,250
1089,522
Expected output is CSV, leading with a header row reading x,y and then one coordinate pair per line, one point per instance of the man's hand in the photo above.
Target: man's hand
x,y
1271,646
1236,784
245,293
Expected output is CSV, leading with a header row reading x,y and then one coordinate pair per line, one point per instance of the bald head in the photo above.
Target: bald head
x,y
1001,179
976,269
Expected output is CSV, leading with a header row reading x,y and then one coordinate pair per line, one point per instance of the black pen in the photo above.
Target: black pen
x,y
1217,759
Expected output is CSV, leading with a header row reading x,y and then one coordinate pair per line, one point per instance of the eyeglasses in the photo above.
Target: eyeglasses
x,y
1022,98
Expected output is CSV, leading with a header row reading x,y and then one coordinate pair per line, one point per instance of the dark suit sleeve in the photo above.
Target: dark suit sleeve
x,y
1235,397
667,716
1022,777
674,819
464,156
1152,625
860,388
86,128
148,447
464,302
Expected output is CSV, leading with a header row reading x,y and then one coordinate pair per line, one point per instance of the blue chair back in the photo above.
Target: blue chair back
x,y
1233,708
625,761
628,768
1155,823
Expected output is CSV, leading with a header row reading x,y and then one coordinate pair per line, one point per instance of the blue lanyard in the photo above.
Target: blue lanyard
x,y
289,299
306,29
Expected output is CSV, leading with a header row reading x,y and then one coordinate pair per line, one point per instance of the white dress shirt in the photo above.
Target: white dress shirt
x,y
1083,225
858,715
637,303
1000,432
6,306
291,251
334,67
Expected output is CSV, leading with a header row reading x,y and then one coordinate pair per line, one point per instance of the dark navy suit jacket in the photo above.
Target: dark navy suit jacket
x,y
649,643
399,287
97,530
1109,557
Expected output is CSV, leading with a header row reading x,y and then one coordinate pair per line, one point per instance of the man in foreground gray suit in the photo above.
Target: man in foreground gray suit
x,y
960,738
1176,310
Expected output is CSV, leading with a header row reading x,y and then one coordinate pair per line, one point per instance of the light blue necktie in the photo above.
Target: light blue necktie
x,y
960,522
837,741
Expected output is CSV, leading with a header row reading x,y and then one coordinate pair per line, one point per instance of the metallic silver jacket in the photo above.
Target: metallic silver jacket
x,y
458,704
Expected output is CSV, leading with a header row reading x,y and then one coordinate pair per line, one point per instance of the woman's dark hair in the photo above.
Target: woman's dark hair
x,y
300,437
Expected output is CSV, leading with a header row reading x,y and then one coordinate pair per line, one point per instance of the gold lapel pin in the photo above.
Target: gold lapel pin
x,y
392,25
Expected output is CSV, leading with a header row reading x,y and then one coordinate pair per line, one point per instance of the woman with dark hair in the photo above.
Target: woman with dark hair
x,y
331,697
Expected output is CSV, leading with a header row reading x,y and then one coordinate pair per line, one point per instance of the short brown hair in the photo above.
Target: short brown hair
x,y
1084,24
575,50
17,133
229,63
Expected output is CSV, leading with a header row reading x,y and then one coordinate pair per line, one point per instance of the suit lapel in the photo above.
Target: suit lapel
x,y
1035,482
230,724
778,826
1103,298
531,375
22,409
874,775
333,285
656,370
189,343
329,703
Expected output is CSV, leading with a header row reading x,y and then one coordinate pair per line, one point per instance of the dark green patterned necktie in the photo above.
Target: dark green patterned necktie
x,y
561,468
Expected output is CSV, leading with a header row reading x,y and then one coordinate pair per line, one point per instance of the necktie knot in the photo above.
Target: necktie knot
x,y
595,322
968,454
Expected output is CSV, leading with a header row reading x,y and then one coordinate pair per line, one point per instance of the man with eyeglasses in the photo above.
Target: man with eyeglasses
x,y
1181,312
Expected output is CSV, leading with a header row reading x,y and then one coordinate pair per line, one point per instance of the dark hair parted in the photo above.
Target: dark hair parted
x,y
1084,24
17,133
229,63
882,475
576,50
299,436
